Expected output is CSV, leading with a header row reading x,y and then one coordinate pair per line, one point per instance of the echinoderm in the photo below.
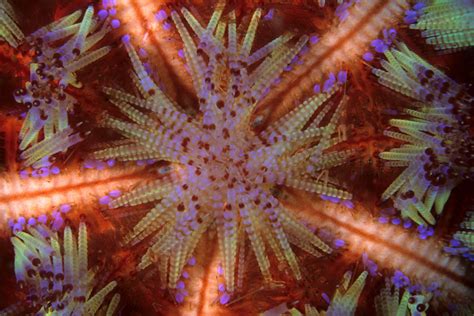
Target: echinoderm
x,y
236,157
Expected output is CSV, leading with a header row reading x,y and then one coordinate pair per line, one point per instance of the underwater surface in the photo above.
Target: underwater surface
x,y
236,157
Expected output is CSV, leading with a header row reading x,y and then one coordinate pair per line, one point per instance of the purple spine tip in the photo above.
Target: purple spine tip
x,y
115,23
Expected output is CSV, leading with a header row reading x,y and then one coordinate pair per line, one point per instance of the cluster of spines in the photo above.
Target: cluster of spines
x,y
46,129
158,129
463,240
9,30
389,302
438,149
344,301
446,24
54,272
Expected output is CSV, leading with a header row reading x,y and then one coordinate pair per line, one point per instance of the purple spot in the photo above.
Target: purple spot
x,y
55,170
368,56
326,298
338,243
115,23
179,297
314,39
430,231
180,285
192,261
35,174
104,200
333,199
422,229
379,45
102,14
142,52
407,223
317,88
221,287
17,228
328,85
225,298
58,223
409,19
455,243
269,15
383,220
342,76
126,38
181,53
113,12
65,208
348,204
42,219
396,221
32,221
111,162
220,270
167,26
89,164
115,193
419,6
400,280
161,15
185,275
21,220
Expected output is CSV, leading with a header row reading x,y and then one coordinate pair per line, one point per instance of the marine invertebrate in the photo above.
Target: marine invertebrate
x,y
217,151
55,274
447,25
350,226
60,50
439,148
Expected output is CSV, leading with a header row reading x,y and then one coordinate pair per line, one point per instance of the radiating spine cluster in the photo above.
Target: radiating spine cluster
x,y
388,302
439,149
54,272
463,240
218,153
60,49
344,301
9,30
446,24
